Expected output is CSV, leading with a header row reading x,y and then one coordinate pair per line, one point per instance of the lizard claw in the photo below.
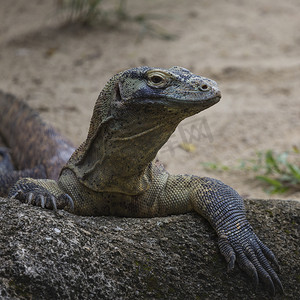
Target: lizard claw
x,y
252,256
31,192
29,198
15,194
228,252
70,201
53,202
42,199
247,266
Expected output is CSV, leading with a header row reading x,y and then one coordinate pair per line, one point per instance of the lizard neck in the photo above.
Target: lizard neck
x,y
118,157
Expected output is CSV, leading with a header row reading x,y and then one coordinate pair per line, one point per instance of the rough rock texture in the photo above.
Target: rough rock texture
x,y
48,256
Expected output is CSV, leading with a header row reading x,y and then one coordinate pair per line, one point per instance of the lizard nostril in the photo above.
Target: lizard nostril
x,y
204,88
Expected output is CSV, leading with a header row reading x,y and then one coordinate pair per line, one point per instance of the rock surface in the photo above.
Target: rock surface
x,y
48,256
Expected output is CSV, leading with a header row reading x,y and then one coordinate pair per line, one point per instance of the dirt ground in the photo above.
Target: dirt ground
x,y
251,48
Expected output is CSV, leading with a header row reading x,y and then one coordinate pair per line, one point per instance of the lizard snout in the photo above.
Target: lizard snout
x,y
209,87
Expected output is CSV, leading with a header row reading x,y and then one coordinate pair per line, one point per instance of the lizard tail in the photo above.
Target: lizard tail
x,y
13,111
32,141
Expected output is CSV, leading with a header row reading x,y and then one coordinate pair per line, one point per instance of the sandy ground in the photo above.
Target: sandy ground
x,y
251,48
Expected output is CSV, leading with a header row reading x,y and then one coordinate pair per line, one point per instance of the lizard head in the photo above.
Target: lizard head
x,y
137,108
174,88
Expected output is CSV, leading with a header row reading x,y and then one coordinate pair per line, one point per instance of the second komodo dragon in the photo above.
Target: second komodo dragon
x,y
114,172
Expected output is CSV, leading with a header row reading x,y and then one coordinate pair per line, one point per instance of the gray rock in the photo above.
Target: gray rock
x,y
48,256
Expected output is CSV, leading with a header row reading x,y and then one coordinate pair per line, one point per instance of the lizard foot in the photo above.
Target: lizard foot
x,y
252,256
41,192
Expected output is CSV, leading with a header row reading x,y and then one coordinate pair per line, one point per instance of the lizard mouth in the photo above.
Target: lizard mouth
x,y
203,103
209,101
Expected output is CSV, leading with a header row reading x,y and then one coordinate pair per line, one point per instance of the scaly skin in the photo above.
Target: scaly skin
x,y
114,173
38,151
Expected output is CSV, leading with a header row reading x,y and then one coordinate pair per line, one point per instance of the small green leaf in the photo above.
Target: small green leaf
x,y
271,162
210,165
294,170
271,181
282,158
278,190
296,149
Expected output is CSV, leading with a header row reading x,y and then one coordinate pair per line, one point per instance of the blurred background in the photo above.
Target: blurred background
x,y
57,55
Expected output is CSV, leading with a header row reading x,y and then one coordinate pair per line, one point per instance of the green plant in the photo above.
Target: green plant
x,y
91,12
86,12
279,171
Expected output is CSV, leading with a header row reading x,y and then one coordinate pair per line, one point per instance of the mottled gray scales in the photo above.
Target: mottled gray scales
x,y
37,150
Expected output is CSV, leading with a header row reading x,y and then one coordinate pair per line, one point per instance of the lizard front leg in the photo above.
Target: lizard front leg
x,y
223,207
42,192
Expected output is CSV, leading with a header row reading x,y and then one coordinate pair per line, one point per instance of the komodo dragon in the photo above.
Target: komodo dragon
x,y
114,172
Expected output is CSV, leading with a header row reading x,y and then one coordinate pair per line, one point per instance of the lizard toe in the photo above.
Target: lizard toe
x,y
15,194
263,253
29,198
247,266
69,200
53,202
227,251
30,191
268,253
261,265
42,201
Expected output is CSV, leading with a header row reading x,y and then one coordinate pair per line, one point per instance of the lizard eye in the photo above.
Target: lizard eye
x,y
157,79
